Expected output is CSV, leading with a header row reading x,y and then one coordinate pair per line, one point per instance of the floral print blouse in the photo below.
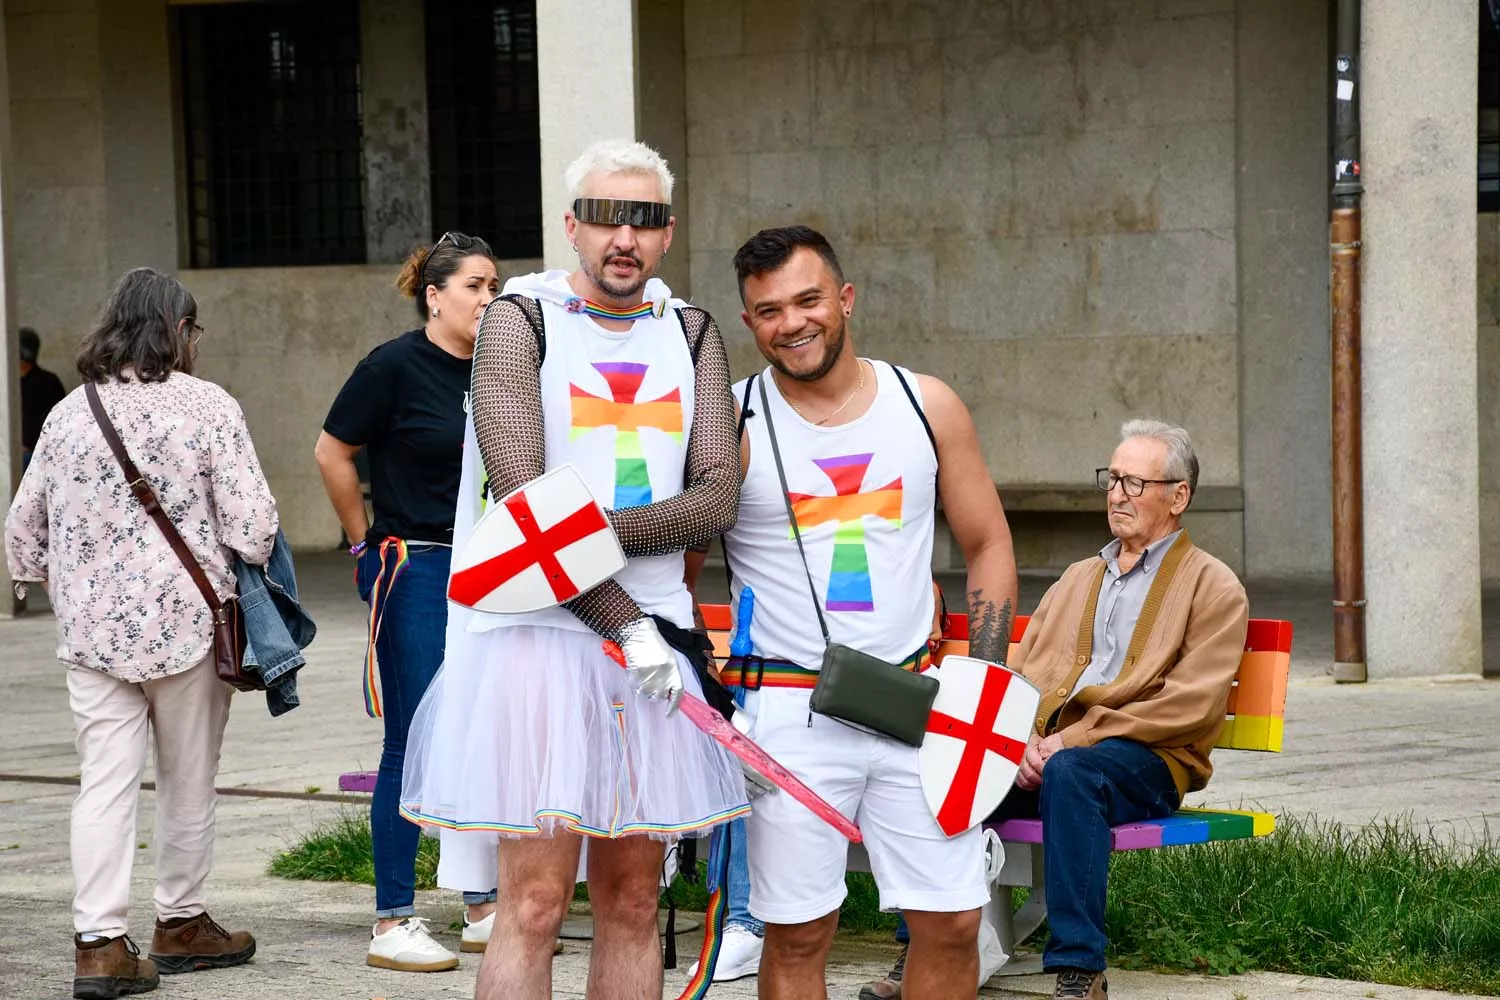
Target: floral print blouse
x,y
125,604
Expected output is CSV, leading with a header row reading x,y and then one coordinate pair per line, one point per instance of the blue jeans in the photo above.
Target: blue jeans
x,y
737,894
1085,791
409,652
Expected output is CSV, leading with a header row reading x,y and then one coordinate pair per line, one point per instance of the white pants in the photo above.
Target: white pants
x,y
797,861
187,712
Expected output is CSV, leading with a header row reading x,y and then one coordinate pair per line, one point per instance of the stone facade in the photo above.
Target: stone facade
x,y
1036,202
1074,212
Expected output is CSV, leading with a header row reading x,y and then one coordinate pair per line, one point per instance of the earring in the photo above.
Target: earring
x,y
664,254
575,247
436,310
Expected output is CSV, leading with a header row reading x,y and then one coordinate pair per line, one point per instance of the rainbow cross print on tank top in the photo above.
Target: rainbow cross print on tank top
x,y
849,580
628,416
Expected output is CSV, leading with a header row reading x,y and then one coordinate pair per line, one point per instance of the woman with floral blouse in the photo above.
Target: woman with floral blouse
x,y
132,629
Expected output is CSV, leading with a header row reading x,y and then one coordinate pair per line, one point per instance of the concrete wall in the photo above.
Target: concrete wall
x,y
59,224
1036,201
1283,177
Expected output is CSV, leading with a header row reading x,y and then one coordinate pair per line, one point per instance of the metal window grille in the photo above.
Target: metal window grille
x,y
272,126
1489,106
483,124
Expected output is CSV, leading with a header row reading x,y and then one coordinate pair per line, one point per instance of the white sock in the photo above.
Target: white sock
x,y
92,937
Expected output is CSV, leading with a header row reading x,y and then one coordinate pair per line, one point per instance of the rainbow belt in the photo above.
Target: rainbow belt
x,y
385,582
755,672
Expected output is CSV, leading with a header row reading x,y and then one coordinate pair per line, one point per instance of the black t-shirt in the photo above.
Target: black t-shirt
x,y
40,392
405,404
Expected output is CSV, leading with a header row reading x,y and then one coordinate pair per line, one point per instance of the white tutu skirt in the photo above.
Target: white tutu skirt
x,y
528,730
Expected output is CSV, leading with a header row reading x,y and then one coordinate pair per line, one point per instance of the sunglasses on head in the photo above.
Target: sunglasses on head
x,y
622,212
460,241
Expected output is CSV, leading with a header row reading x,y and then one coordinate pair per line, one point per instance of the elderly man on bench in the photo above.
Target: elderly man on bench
x,y
1134,650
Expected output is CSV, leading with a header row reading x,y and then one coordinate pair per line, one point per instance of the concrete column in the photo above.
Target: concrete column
x,y
10,376
1421,464
142,164
393,85
586,80
661,117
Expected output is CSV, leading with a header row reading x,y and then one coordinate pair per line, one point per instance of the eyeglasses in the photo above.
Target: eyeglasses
x,y
460,241
1133,486
194,330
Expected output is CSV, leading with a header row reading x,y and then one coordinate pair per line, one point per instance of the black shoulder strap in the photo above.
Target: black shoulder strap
x,y
532,310
912,397
694,343
739,431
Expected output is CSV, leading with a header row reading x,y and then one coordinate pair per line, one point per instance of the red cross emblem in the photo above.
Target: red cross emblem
x,y
512,563
965,777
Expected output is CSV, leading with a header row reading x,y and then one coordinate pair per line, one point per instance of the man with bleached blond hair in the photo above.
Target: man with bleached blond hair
x,y
532,739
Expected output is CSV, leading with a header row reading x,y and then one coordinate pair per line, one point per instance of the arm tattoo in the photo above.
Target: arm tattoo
x,y
989,627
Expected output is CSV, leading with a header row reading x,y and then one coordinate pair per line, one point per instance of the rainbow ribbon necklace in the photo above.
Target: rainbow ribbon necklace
x,y
577,304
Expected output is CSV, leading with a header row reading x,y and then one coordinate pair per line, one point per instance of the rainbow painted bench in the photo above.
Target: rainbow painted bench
x,y
1254,720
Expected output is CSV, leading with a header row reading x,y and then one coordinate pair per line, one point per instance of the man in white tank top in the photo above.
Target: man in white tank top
x,y
868,450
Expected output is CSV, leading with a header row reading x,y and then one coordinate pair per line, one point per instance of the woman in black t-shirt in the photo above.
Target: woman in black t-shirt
x,y
404,405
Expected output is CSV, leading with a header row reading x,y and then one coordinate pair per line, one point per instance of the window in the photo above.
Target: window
x,y
483,124
1489,106
272,133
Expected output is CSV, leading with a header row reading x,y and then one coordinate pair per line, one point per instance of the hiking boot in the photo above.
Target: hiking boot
x,y
192,944
1080,984
109,968
888,988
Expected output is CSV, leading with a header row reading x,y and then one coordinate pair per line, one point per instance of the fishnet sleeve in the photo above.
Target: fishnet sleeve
x,y
506,399
710,500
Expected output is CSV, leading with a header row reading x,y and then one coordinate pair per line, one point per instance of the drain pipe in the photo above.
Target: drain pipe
x,y
1344,284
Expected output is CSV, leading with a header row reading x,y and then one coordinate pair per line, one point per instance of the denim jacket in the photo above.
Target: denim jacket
x,y
277,629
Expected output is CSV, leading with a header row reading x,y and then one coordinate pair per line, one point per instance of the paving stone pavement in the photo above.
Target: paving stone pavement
x,y
1425,749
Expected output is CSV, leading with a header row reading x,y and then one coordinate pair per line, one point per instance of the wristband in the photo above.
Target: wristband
x,y
358,548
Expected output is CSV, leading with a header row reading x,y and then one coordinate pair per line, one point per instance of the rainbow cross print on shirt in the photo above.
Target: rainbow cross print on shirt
x,y
849,580
628,416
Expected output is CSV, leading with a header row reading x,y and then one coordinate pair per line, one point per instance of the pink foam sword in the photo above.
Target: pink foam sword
x,y
723,732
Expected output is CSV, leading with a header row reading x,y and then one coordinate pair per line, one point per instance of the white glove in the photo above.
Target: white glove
x,y
650,663
756,784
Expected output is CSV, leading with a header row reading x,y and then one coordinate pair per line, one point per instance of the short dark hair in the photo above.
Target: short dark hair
x,y
31,344
770,249
141,328
434,264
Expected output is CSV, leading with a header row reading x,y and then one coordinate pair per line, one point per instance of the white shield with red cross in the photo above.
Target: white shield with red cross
x,y
544,544
976,736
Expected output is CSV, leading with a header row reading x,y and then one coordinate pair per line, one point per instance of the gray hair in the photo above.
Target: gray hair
x,y
618,156
1182,461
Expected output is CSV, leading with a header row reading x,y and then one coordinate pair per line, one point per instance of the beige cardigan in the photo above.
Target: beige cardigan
x,y
1172,694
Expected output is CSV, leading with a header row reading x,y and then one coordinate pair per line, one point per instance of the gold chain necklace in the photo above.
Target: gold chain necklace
x,y
841,407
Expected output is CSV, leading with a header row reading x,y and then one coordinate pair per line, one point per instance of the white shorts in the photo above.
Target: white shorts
x,y
797,862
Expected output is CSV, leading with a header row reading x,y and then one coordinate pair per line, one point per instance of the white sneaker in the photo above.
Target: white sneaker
x,y
408,947
477,935
739,955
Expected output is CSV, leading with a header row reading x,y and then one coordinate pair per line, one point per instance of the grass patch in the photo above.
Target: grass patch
x,y
340,851
1385,903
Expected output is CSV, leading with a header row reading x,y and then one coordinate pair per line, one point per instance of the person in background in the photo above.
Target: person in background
x,y
41,390
404,404
76,526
